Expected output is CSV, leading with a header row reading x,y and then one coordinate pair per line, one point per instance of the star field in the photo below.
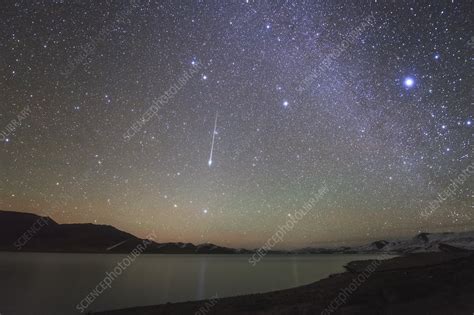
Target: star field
x,y
302,94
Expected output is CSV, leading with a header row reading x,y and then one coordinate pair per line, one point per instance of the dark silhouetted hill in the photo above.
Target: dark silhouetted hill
x,y
29,232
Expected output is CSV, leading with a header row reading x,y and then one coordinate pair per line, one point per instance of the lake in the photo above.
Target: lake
x,y
45,283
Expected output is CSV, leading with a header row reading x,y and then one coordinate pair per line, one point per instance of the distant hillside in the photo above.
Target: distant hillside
x,y
423,242
29,232
431,242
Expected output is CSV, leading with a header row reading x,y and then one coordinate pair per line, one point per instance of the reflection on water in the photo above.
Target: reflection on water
x,y
38,283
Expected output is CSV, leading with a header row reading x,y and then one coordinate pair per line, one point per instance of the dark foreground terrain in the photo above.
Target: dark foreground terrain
x,y
428,283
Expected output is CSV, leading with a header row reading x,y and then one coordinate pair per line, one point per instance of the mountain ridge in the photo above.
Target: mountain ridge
x,y
21,231
27,232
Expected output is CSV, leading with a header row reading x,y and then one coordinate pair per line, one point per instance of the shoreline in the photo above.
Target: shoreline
x,y
424,283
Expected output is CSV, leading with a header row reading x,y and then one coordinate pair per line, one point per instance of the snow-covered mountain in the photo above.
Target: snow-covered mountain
x,y
423,242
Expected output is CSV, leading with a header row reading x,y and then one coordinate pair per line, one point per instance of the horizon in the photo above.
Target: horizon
x,y
311,245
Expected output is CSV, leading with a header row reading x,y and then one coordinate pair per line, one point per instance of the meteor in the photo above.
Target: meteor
x,y
212,144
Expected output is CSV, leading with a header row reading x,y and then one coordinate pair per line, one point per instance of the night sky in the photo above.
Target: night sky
x,y
371,99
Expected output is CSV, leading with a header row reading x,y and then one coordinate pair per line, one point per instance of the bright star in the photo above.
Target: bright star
x,y
285,103
409,82
468,122
205,211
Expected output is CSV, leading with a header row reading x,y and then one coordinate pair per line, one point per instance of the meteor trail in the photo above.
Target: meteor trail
x,y
212,144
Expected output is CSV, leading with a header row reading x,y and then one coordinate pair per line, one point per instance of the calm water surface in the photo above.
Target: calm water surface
x,y
38,283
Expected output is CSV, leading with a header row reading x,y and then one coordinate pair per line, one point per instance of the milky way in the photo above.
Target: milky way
x,y
372,99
